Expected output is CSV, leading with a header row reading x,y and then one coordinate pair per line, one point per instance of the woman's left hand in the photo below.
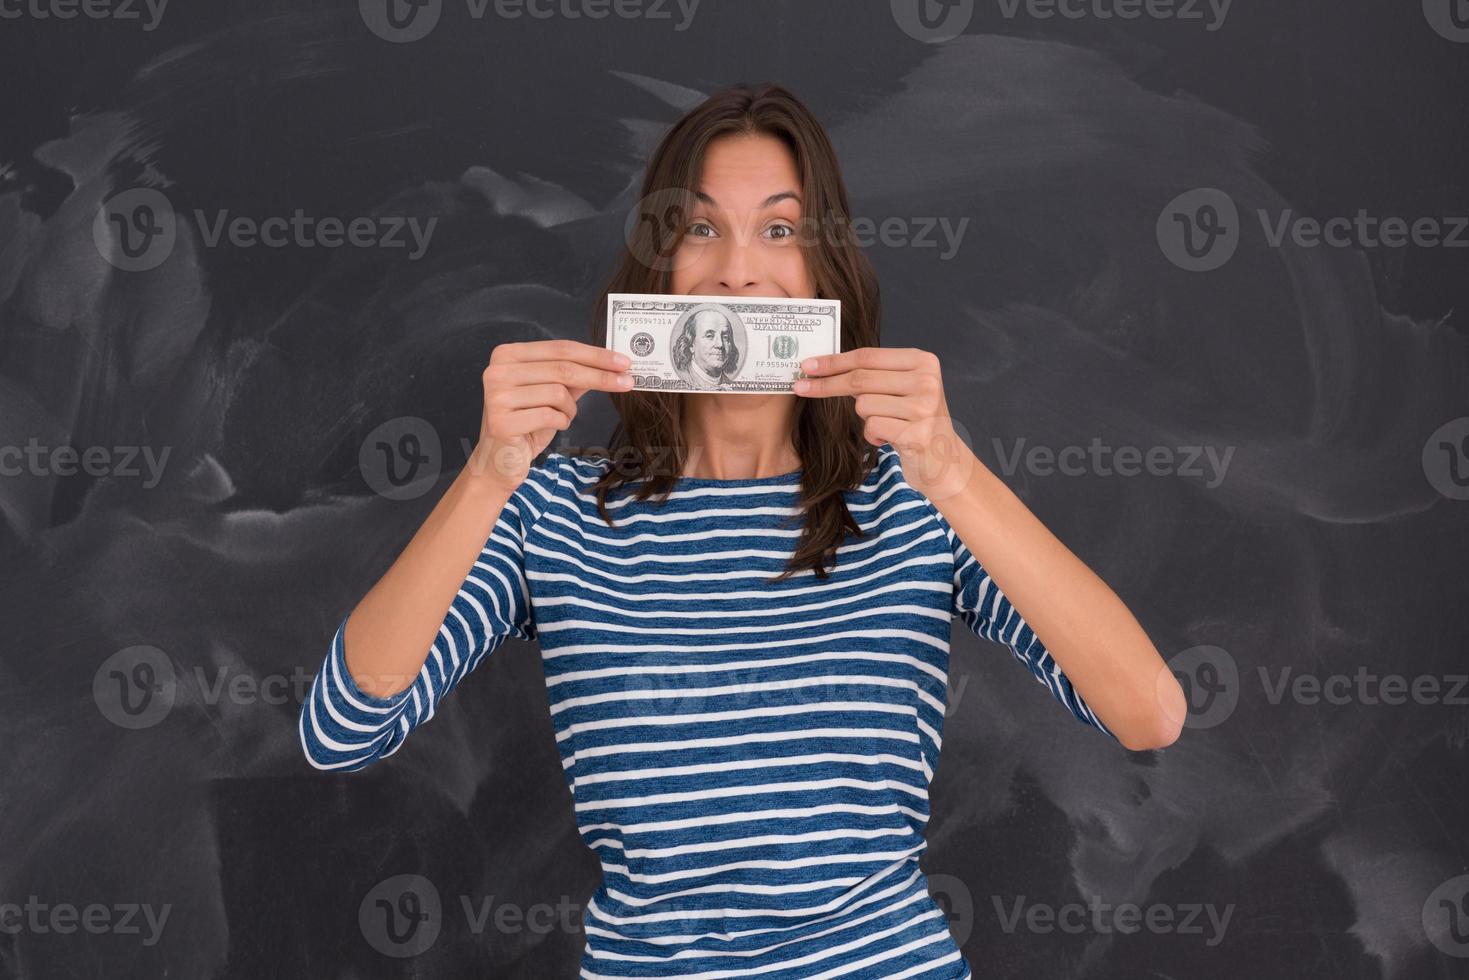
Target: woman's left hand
x,y
899,394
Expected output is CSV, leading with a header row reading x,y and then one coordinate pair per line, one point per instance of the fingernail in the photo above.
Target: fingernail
x,y
625,381
801,385
622,360
809,364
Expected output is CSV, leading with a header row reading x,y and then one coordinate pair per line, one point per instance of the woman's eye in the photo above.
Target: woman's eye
x,y
693,229
787,229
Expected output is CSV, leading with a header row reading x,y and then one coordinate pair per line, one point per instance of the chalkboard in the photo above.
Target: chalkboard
x,y
1196,273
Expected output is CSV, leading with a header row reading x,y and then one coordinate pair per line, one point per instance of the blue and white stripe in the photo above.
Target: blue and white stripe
x,y
749,760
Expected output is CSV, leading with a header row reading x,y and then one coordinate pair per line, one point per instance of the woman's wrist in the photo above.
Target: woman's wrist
x,y
947,473
484,473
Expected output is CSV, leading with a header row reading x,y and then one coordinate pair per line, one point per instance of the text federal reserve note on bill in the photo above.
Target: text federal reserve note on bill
x,y
749,345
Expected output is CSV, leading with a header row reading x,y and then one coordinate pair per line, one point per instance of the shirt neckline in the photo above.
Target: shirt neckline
x,y
753,481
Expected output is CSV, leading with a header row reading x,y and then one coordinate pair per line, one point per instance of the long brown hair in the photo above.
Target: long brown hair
x,y
648,439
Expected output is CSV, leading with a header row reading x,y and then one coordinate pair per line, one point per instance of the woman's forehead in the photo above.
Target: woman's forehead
x,y
748,172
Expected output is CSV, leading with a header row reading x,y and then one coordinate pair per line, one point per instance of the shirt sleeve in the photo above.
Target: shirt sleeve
x,y
979,602
342,728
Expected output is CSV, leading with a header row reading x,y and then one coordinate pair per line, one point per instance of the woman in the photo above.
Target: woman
x,y
744,624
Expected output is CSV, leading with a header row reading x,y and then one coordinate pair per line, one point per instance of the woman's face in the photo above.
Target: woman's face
x,y
742,239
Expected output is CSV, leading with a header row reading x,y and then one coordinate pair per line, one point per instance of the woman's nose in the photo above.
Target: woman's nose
x,y
738,263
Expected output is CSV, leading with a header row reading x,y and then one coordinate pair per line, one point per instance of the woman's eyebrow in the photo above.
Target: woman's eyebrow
x,y
770,201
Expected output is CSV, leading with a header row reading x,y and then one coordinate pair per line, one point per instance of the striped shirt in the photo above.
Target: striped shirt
x,y
749,761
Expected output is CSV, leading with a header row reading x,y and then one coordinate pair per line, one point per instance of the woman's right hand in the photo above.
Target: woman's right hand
x,y
531,391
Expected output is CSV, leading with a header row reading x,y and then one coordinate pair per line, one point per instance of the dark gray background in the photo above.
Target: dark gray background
x,y
1334,543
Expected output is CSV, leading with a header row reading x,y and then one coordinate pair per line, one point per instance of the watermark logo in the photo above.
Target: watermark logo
x,y
657,227
654,229
401,458
1446,459
401,21
957,902
1210,680
135,687
665,693
1199,229
138,687
1450,18
136,230
401,916
933,21
1446,917
1213,685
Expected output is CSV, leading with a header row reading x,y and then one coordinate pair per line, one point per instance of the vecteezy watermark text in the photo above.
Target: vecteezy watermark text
x,y
1200,230
121,919
937,21
148,12
1365,687
136,230
1211,13
1125,917
659,230
1214,685
137,687
402,916
35,459
1100,459
405,21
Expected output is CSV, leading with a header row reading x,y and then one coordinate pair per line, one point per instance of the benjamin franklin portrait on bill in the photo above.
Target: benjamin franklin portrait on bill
x,y
708,346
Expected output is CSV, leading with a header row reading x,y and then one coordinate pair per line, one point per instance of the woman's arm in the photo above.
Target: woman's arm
x,y
344,724
458,589
531,390
388,635
1086,628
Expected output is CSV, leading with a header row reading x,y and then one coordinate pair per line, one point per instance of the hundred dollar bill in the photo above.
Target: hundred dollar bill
x,y
749,345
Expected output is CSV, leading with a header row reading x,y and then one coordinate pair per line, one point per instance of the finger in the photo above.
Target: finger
x,y
860,381
891,406
880,429
566,350
528,420
568,373
888,358
529,396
